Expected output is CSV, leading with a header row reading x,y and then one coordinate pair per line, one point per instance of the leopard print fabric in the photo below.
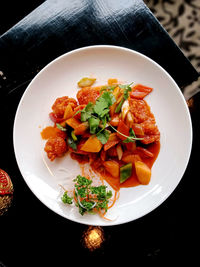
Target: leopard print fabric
x,y
181,19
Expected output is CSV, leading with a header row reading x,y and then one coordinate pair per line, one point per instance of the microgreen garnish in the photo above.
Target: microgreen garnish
x,y
66,199
88,198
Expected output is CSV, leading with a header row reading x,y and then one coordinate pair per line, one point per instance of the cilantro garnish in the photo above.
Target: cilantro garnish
x,y
103,136
126,88
131,138
89,198
97,115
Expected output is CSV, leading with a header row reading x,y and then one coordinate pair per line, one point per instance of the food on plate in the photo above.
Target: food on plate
x,y
110,127
88,198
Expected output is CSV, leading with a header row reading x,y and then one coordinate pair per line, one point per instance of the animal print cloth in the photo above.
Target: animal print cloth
x,y
181,19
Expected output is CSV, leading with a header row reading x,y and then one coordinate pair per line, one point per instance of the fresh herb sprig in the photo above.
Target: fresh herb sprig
x,y
131,138
89,198
97,115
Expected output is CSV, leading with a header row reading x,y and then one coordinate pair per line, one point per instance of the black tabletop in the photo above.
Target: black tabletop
x,y
31,234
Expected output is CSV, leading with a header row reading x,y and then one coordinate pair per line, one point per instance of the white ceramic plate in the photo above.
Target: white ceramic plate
x,y
60,78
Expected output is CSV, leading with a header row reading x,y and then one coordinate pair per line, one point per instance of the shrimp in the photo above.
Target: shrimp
x,y
61,103
55,147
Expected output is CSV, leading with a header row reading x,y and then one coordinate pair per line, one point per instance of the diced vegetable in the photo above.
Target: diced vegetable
x,y
112,167
143,172
139,91
119,151
125,172
129,119
71,143
119,106
84,82
131,158
92,144
137,128
74,123
125,109
122,128
68,112
110,144
112,141
81,129
131,146
73,136
116,92
114,120
112,81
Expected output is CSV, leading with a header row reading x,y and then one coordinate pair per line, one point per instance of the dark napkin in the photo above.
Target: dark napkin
x,y
56,27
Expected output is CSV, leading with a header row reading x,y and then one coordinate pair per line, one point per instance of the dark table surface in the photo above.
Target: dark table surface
x,y
33,235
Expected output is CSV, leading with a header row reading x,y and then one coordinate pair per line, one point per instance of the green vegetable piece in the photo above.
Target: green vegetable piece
x,y
93,123
125,172
74,136
84,82
71,143
119,106
66,199
60,127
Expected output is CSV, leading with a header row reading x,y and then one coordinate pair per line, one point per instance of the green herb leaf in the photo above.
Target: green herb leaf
x,y
86,113
127,89
103,136
101,107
